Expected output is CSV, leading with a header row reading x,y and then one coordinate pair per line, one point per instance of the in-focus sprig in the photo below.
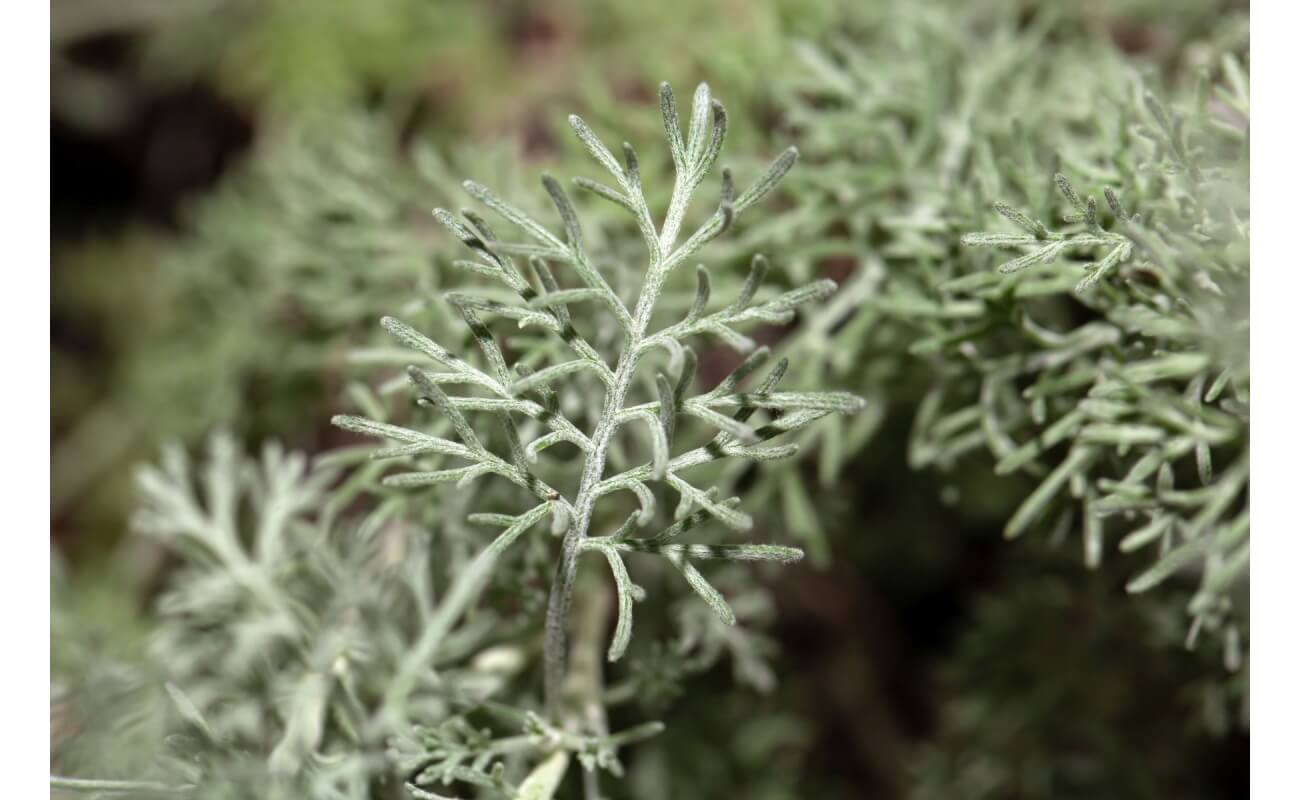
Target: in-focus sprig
x,y
511,392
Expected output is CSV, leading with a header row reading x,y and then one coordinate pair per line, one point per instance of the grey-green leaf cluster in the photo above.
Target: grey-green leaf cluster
x,y
569,420
527,404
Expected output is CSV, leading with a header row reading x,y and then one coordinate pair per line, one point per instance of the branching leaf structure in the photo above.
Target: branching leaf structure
x,y
297,639
458,751
273,639
1092,356
897,164
1153,389
514,396
1044,247
1042,272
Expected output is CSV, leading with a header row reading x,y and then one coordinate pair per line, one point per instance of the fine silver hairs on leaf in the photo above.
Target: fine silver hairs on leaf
x,y
548,307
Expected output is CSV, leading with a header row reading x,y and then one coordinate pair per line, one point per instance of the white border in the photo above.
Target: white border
x,y
25,407
1275,400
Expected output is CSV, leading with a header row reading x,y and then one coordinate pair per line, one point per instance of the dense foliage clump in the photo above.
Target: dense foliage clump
x,y
1020,235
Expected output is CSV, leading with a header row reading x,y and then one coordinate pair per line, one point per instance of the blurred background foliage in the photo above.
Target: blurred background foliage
x,y
242,187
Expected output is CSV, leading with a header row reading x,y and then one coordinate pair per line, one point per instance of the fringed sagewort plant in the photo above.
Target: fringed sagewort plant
x,y
515,392
1103,358
1153,394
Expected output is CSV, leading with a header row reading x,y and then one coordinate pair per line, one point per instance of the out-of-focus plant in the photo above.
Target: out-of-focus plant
x,y
1147,391
1120,391
275,640
1028,712
242,320
280,55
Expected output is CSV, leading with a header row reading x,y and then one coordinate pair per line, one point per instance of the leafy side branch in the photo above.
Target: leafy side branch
x,y
514,392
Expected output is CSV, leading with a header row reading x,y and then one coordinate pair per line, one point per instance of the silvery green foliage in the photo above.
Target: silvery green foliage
x,y
283,641
275,274
558,296
297,639
903,135
1095,382
271,641
1150,390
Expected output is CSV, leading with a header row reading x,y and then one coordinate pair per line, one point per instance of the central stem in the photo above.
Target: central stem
x,y
561,597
